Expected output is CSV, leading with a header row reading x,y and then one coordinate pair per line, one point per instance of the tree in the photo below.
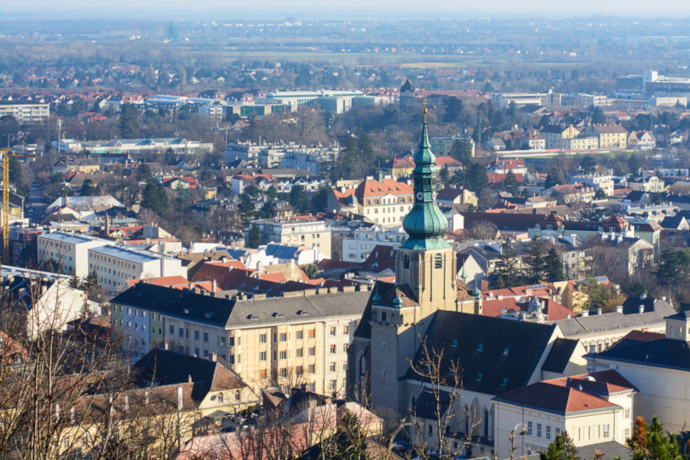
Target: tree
x,y
562,448
154,197
144,171
652,443
510,184
319,202
600,195
453,108
444,174
545,120
598,117
87,188
170,157
673,267
311,270
246,209
299,199
536,261
507,267
272,192
588,164
128,124
461,150
254,240
554,267
476,179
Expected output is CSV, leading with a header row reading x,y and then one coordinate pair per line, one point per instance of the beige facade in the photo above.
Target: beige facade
x,y
611,136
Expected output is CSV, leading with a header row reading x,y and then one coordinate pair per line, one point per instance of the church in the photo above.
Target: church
x,y
428,307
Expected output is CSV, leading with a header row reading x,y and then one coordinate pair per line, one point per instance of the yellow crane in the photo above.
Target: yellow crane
x,y
6,154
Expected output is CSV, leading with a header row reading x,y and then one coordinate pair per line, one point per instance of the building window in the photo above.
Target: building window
x,y
529,428
283,355
345,366
172,330
299,370
332,385
346,330
231,341
333,349
262,373
332,331
262,338
406,261
312,351
231,359
332,367
283,372
626,413
196,335
548,431
300,335
383,346
345,348
384,317
300,353
283,337
205,336
262,356
607,430
222,341
627,433
312,369
438,261
312,333
196,352
383,374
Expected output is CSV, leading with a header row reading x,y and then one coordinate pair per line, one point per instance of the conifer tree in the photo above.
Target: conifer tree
x,y
254,239
506,267
536,261
554,267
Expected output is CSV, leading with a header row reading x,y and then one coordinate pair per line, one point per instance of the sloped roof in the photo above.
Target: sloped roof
x,y
374,188
559,356
555,399
380,258
497,355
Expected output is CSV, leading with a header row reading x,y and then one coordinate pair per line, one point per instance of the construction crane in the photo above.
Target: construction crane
x,y
6,154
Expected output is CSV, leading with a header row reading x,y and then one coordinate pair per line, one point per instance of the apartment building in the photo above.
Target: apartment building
x,y
115,265
68,250
556,135
442,145
596,181
26,111
384,201
611,136
299,340
294,232
316,159
364,240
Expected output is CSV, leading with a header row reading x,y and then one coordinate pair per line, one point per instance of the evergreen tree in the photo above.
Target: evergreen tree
x,y
652,443
272,192
510,184
254,239
299,199
87,188
588,164
154,197
506,267
453,108
246,209
170,157
536,261
366,151
554,267
461,150
476,179
598,117
444,174
129,126
556,450
74,282
320,200
144,171
673,267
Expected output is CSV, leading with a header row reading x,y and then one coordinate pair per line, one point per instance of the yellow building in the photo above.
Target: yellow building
x,y
611,136
557,136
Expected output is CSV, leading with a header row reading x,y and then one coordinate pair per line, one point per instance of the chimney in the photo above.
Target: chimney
x,y
214,285
598,311
166,346
213,357
189,378
641,309
107,225
180,400
585,313
619,309
567,316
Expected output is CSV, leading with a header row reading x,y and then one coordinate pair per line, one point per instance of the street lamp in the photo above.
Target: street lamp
x,y
512,440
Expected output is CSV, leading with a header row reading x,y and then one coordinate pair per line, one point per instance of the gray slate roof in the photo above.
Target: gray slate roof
x,y
234,313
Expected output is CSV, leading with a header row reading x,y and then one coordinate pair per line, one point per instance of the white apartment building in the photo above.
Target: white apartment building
x,y
26,111
358,248
294,232
442,145
115,265
597,181
315,159
68,250
659,366
592,408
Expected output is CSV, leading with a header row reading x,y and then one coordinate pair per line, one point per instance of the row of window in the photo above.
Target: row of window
x,y
402,199
438,261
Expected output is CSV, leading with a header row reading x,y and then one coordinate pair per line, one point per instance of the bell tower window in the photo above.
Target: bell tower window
x,y
384,317
438,261
406,261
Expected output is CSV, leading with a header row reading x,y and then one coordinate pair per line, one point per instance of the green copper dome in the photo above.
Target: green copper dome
x,y
425,224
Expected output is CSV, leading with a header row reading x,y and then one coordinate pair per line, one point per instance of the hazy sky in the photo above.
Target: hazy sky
x,y
312,9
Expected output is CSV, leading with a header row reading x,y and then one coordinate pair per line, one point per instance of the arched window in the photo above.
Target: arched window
x,y
406,261
438,261
384,317
237,395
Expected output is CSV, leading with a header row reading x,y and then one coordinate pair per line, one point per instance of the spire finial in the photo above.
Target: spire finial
x,y
425,110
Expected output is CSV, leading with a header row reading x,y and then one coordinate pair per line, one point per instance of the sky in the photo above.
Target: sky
x,y
351,9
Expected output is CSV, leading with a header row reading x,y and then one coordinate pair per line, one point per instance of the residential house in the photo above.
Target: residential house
x,y
572,193
611,136
556,136
70,252
596,181
502,166
294,232
363,241
384,202
450,196
240,182
642,140
646,183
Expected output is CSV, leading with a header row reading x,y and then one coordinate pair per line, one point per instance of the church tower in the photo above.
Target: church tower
x,y
425,269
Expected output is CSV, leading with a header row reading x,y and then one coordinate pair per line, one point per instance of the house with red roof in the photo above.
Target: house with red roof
x,y
240,182
385,201
593,408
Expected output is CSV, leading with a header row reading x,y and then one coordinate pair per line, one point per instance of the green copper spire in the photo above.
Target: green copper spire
x,y
425,224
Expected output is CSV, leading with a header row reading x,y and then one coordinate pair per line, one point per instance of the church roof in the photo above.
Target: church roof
x,y
496,355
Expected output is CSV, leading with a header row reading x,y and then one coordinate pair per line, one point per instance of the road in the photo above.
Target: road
x,y
38,203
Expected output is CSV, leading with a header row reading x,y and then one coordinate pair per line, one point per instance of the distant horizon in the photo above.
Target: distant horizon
x,y
159,10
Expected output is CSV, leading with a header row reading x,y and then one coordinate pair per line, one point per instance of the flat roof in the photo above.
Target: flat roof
x,y
70,239
129,254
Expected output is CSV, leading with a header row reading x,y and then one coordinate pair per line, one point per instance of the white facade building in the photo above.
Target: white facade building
x,y
358,248
69,251
115,265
